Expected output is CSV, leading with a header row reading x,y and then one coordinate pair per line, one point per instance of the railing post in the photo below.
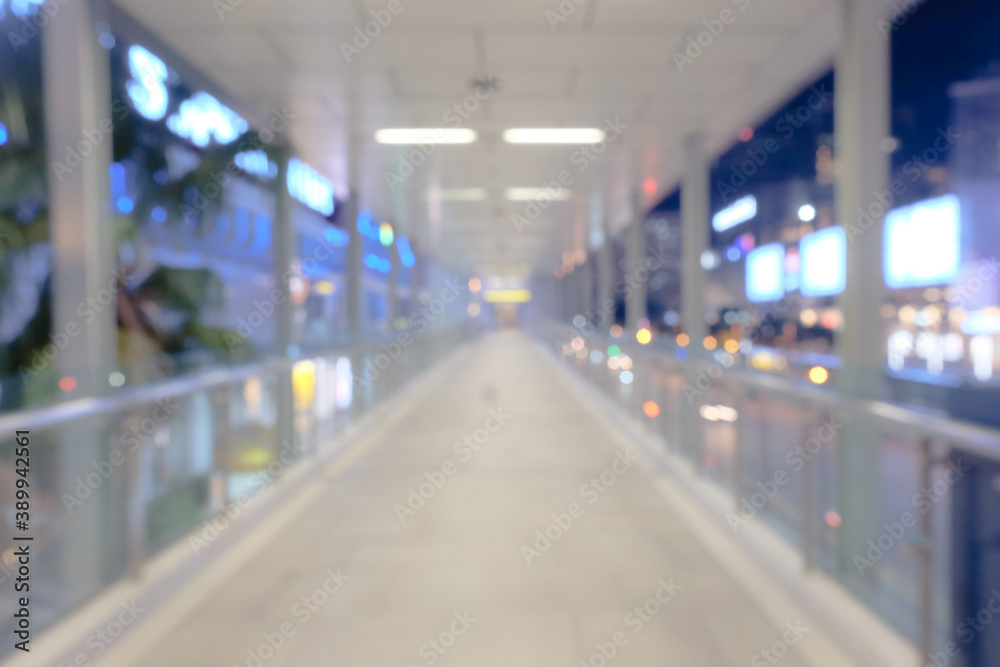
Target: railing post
x,y
925,553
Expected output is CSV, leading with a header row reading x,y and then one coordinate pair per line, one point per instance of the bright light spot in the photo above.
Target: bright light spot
x,y
644,336
107,40
626,377
733,254
818,375
651,409
304,384
459,194
683,340
577,343
385,235
426,135
581,354
671,318
579,321
616,331
614,350
625,362
125,205
3,134
614,363
475,284
807,213
67,384
922,243
738,212
710,260
681,353
507,296
324,287
116,379
808,317
159,214
474,309
312,189
715,413
345,383
745,134
561,135
832,519
710,343
596,357
536,194
731,346
649,186
831,318
406,255
982,349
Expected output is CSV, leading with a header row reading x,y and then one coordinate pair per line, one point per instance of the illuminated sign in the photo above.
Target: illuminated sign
x,y
823,261
203,118
146,89
309,187
22,8
406,255
738,212
765,273
256,163
922,243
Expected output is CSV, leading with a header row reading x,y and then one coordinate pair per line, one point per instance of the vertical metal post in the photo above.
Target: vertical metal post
x,y
807,517
283,272
925,551
694,237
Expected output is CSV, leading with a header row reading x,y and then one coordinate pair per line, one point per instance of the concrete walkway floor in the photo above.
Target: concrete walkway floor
x,y
495,523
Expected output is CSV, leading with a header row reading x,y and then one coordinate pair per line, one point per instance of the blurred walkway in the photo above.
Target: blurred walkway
x,y
348,583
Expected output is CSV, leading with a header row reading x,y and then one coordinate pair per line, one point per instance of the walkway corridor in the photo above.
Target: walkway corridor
x,y
480,572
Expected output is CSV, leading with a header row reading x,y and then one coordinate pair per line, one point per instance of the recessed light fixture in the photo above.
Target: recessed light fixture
x,y
553,135
426,135
459,194
536,194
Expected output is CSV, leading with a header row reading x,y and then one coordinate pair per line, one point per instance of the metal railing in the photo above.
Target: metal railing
x,y
115,479
866,489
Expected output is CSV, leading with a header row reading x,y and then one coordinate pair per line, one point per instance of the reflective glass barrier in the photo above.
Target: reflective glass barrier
x,y
892,501
115,479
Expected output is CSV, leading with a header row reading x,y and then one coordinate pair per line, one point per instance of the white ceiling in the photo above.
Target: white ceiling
x,y
610,58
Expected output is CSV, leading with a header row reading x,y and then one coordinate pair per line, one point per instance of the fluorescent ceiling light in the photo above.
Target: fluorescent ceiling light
x,y
459,194
507,296
426,135
536,194
553,135
738,212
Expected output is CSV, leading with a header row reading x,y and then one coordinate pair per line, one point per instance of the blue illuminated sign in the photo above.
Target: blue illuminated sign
x,y
309,187
765,273
823,255
922,243
256,163
737,213
146,89
203,118
406,256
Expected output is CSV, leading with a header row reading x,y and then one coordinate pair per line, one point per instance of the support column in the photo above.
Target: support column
x,y
393,285
694,237
635,251
587,288
283,249
606,305
76,74
861,123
